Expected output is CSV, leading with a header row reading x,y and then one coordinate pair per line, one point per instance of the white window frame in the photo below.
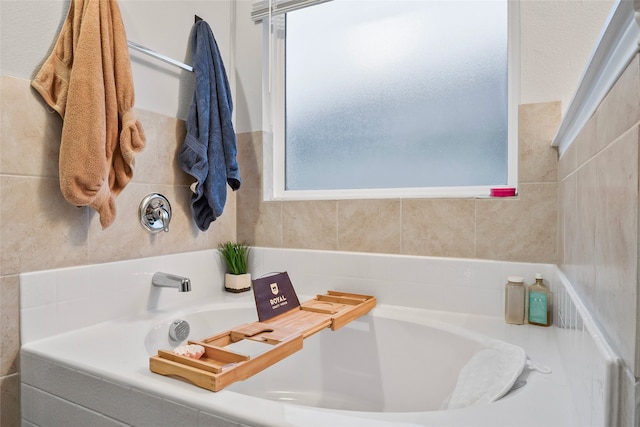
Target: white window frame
x,y
273,101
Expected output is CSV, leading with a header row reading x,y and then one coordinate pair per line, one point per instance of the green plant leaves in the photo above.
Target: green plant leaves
x,y
236,256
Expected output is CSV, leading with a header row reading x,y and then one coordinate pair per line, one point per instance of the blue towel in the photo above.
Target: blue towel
x,y
209,150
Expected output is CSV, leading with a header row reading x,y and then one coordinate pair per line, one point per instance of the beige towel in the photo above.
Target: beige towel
x,y
87,80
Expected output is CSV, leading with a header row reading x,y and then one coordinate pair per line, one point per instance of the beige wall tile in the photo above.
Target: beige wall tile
x,y
567,221
158,162
9,325
537,125
250,159
438,227
582,232
171,135
616,248
586,143
39,230
620,109
126,239
369,226
30,131
519,229
259,223
10,401
36,218
568,162
222,229
601,236
310,225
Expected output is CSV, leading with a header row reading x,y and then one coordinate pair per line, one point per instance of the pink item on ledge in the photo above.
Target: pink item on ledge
x,y
503,192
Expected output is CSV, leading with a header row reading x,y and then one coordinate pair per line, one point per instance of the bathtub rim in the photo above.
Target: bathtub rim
x,y
230,404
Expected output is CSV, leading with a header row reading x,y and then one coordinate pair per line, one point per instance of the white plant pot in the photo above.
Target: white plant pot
x,y
237,282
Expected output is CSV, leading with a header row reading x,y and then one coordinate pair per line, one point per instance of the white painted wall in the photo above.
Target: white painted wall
x,y
248,96
557,39
29,30
165,26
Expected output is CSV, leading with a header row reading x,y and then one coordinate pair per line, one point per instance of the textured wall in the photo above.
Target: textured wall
x,y
557,40
523,228
599,216
29,30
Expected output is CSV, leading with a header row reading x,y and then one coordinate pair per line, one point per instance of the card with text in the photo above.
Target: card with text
x,y
274,295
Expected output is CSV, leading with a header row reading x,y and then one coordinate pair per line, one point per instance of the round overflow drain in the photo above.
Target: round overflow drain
x,y
179,330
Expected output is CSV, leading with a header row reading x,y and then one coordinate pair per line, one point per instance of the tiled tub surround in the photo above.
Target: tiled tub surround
x,y
522,228
446,227
414,227
460,291
599,200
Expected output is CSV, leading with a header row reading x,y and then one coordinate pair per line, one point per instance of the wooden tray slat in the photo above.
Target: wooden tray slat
x,y
198,377
345,317
220,353
203,363
339,299
360,297
324,307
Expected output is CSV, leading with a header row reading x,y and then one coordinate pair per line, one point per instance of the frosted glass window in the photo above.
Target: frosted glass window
x,y
396,94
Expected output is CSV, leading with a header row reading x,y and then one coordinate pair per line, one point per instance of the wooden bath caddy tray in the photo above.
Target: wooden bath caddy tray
x,y
243,351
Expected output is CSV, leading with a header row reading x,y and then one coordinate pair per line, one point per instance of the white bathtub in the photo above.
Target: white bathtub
x,y
394,366
378,363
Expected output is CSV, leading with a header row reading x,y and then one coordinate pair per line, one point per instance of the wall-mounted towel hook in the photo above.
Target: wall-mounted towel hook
x,y
196,18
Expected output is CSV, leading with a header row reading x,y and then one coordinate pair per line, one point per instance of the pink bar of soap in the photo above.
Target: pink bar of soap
x,y
194,351
503,192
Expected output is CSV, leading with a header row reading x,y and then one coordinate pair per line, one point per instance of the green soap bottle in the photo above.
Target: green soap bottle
x,y
539,303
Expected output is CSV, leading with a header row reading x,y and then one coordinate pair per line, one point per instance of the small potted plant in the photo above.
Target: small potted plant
x,y
236,256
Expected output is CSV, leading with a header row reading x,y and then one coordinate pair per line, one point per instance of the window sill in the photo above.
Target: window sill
x,y
391,193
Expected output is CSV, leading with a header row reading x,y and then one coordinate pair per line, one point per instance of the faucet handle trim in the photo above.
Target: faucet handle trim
x,y
155,213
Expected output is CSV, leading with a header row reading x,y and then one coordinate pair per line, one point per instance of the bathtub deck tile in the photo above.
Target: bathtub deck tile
x,y
174,414
206,419
144,408
115,400
52,411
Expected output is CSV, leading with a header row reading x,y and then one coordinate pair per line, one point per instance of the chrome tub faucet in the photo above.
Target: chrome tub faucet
x,y
165,280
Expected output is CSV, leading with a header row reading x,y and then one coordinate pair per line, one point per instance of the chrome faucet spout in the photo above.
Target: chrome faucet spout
x,y
165,280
